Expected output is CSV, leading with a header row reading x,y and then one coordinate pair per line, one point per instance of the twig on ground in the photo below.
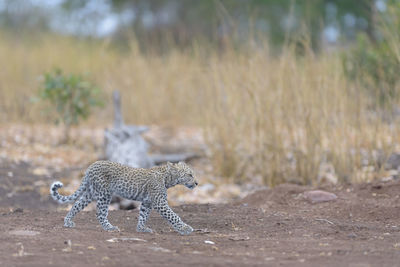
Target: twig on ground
x,y
325,220
202,231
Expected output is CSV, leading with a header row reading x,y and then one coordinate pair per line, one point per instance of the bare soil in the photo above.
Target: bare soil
x,y
273,227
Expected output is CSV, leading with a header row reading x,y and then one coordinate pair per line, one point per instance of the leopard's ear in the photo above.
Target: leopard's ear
x,y
181,163
169,164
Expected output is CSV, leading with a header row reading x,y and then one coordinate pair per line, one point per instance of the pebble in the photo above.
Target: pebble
x,y
159,249
115,239
317,196
352,235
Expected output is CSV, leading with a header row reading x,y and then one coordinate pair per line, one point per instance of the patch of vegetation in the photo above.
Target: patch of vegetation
x,y
72,96
375,63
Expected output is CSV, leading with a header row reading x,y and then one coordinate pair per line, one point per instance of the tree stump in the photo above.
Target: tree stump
x,y
124,143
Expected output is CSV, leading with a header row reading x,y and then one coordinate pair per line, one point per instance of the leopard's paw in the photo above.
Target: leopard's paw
x,y
185,229
69,224
144,230
111,228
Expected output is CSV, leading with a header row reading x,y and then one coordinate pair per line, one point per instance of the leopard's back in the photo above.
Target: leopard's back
x,y
125,181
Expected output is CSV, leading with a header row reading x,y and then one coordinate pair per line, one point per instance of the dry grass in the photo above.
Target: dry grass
x,y
266,118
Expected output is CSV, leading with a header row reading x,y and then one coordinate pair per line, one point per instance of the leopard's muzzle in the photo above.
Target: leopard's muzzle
x,y
191,185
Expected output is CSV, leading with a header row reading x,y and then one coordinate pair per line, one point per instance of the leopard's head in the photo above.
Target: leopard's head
x,y
183,174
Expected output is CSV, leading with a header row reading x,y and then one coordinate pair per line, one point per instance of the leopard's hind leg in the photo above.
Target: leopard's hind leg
x,y
102,212
145,209
79,205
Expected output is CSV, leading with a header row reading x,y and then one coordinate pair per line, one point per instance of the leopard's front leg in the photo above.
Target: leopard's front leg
x,y
162,207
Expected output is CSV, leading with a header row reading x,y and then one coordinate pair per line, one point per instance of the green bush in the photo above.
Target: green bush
x,y
71,96
377,69
375,64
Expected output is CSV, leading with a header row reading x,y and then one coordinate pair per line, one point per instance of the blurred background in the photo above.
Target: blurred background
x,y
160,24
266,91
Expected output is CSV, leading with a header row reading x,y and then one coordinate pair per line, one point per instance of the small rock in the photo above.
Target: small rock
x,y
317,196
209,242
115,239
239,238
352,235
160,249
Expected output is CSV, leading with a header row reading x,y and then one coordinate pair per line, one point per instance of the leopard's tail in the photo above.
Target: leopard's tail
x,y
66,199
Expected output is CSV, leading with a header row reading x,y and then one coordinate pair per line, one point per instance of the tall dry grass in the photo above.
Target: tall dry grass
x,y
270,119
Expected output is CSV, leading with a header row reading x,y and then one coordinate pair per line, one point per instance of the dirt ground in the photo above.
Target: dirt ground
x,y
272,227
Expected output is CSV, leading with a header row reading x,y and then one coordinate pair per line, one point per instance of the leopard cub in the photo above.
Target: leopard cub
x,y
103,179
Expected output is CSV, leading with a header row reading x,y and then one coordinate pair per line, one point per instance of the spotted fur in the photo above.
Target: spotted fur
x,y
103,179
